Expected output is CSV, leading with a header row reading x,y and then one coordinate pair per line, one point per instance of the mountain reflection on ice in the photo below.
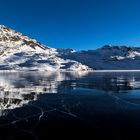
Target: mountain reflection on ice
x,y
17,89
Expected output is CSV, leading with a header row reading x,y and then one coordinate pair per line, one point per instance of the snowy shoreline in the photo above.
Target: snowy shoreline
x,y
116,70
14,71
88,71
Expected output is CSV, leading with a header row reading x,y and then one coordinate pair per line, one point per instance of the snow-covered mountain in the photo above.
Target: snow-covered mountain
x,y
108,57
19,52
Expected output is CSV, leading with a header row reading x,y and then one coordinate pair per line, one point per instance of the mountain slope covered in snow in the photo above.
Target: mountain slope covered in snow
x,y
107,58
19,52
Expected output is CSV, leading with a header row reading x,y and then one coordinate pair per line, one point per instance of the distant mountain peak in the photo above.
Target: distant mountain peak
x,y
115,47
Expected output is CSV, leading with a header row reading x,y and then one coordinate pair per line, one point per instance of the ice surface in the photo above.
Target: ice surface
x,y
39,105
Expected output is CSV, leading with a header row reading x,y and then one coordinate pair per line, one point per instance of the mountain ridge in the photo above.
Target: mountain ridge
x,y
108,57
19,52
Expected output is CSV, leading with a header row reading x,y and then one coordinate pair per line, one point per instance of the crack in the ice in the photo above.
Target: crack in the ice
x,y
26,131
26,118
125,101
87,121
40,116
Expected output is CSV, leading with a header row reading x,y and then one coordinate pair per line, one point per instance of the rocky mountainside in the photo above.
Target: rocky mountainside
x,y
19,52
108,57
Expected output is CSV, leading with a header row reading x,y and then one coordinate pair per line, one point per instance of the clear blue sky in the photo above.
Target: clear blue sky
x,y
77,24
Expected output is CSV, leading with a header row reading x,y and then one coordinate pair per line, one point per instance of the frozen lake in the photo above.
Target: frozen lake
x,y
38,105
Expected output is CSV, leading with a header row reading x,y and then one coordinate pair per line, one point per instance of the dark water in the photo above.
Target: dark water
x,y
36,106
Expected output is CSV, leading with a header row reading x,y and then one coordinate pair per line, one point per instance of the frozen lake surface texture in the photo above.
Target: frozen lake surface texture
x,y
96,105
